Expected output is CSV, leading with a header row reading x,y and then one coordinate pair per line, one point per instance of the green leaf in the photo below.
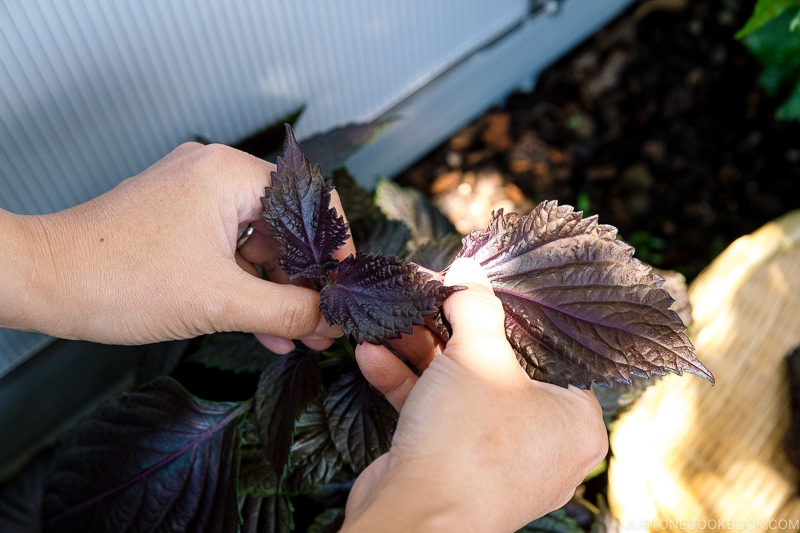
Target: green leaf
x,y
773,78
360,419
149,460
777,48
380,235
775,44
765,11
267,514
372,231
604,521
286,388
438,253
357,202
414,209
314,459
331,149
790,108
237,352
256,472
328,521
557,521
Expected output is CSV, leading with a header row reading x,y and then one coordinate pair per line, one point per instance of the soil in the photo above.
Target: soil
x,y
657,124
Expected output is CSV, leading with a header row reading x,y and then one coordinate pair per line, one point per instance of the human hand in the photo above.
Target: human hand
x,y
155,259
479,446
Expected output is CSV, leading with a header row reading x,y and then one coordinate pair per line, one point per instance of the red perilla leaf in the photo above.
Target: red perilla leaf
x,y
579,308
296,208
377,297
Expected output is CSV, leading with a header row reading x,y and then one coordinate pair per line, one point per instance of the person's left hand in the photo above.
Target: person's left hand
x,y
478,446
156,259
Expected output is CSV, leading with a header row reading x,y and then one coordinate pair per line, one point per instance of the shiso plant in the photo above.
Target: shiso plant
x,y
772,34
282,450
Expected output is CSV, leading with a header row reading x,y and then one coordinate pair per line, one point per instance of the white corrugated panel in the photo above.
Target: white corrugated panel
x,y
94,91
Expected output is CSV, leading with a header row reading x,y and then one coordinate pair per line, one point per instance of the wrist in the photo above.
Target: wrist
x,y
18,294
32,297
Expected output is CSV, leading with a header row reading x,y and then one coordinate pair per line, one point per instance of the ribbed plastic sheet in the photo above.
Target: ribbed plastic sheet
x,y
94,91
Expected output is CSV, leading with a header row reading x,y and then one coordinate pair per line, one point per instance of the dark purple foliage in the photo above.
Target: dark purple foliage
x,y
579,308
378,297
286,388
176,456
361,420
297,209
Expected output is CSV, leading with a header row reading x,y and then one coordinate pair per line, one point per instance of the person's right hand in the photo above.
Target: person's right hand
x,y
479,446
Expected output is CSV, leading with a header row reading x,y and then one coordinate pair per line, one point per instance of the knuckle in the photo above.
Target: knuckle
x,y
594,433
294,319
217,156
215,312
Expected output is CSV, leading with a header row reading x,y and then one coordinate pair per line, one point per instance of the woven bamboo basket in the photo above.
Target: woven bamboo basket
x,y
689,456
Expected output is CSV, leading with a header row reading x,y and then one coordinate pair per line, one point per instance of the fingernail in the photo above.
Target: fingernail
x,y
466,270
275,344
326,331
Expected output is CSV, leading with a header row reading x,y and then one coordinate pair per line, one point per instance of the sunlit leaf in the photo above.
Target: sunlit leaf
x,y
764,12
579,308
414,209
149,460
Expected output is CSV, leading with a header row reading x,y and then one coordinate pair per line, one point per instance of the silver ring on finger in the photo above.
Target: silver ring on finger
x,y
244,235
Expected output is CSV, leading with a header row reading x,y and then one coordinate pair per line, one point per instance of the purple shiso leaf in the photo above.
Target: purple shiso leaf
x,y
579,308
377,297
296,208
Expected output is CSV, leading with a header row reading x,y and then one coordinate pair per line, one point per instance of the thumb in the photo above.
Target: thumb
x,y
478,321
276,309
